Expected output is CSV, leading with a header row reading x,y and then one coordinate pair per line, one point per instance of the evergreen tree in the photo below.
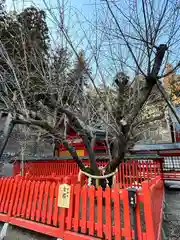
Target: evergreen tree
x,y
24,39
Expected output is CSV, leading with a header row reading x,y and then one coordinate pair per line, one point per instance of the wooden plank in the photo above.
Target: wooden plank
x,y
99,229
40,200
12,197
76,236
84,195
9,195
108,212
55,206
4,199
34,226
62,223
45,202
70,209
4,180
138,217
30,200
117,219
26,197
148,211
50,205
34,204
91,210
77,206
21,198
14,210
127,221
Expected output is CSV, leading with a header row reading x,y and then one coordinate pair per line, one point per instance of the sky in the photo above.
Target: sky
x,y
86,10
18,5
84,7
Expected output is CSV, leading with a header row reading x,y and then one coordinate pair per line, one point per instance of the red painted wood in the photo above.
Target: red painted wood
x,y
108,212
34,204
71,209
99,228
8,195
117,219
13,195
19,184
26,197
4,199
45,202
138,214
4,180
91,210
40,200
77,207
21,198
34,226
30,200
55,206
148,211
62,223
76,236
4,217
84,195
127,222
123,175
50,206
41,204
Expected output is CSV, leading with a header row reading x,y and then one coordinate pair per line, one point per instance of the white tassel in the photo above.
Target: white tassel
x,y
89,181
107,183
79,175
4,231
123,122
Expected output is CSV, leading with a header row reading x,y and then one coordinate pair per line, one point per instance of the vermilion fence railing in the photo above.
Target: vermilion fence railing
x,y
46,168
130,173
153,195
92,212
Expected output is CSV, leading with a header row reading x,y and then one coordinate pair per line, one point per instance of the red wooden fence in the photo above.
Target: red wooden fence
x,y
130,173
105,214
47,167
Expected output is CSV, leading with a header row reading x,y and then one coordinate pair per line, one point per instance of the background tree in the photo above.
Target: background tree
x,y
146,36
24,44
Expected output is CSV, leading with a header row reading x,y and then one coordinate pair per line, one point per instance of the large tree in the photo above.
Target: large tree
x,y
138,39
24,44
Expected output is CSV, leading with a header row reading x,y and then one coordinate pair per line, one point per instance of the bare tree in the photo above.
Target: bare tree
x,y
124,40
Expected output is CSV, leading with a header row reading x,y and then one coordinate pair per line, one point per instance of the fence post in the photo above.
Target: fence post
x,y
148,211
133,203
161,168
63,211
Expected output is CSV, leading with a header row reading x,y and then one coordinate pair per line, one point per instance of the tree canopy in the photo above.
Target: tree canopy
x,y
44,90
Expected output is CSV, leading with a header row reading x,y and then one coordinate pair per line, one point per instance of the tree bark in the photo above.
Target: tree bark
x,y
11,127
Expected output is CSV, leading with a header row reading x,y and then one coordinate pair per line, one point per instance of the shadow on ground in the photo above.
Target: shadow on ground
x,y
171,224
16,233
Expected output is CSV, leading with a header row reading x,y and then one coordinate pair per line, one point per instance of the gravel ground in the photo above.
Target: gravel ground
x,y
171,225
16,233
